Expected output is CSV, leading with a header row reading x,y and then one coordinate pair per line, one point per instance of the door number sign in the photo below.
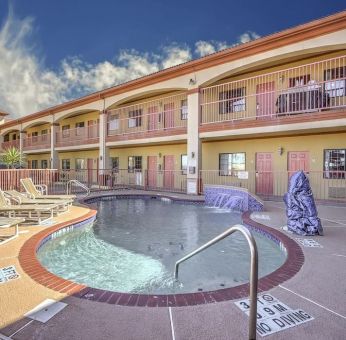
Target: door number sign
x,y
273,315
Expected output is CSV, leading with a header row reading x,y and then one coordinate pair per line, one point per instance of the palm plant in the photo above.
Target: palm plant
x,y
12,158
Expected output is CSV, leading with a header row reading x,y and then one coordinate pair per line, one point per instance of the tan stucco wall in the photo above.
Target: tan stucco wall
x,y
176,150
80,118
72,156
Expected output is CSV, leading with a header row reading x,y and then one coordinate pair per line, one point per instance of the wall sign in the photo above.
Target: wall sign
x,y
243,174
8,273
273,315
308,242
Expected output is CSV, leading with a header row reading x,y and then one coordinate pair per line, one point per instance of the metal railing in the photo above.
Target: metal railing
x,y
162,114
77,183
10,144
78,136
312,87
253,269
37,142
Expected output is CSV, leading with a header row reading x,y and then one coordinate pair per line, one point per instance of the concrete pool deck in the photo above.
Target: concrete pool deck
x,y
319,288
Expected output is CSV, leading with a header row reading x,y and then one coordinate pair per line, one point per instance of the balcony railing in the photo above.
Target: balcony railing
x,y
152,118
314,87
325,185
10,144
37,142
78,136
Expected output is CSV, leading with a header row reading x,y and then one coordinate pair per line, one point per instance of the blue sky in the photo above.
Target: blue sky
x,y
53,51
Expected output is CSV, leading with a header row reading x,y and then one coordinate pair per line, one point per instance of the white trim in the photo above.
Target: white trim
x,y
171,322
315,303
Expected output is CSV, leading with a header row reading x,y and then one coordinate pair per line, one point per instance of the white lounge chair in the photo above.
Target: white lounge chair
x,y
6,223
21,198
39,191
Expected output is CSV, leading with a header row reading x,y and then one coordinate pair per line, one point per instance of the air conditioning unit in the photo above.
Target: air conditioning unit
x,y
337,192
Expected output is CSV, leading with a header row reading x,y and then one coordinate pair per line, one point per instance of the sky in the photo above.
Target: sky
x,y
55,51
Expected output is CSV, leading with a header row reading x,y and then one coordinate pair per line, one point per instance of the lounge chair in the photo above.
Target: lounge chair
x,y
21,198
31,212
40,191
6,223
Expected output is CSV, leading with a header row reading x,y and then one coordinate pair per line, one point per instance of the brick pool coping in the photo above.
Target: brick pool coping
x,y
32,267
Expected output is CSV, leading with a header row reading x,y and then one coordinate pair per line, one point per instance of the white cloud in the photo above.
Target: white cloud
x,y
27,86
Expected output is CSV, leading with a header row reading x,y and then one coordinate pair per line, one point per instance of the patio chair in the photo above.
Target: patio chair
x,y
31,212
21,198
6,223
40,191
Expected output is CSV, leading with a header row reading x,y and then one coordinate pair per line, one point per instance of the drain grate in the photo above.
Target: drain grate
x,y
46,310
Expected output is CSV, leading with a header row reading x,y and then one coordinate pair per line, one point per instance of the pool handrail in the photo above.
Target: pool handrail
x,y
253,269
78,183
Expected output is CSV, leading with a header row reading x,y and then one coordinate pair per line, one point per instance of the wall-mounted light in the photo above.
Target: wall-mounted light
x,y
101,158
192,81
192,155
280,150
282,79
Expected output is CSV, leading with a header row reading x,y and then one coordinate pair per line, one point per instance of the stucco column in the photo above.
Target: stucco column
x,y
194,157
54,157
22,135
103,157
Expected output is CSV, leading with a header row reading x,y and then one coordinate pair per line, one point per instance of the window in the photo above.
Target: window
x,y
44,164
65,164
231,163
34,164
65,130
79,128
44,134
232,101
115,164
183,109
334,84
135,118
80,164
34,136
6,138
183,166
113,122
334,163
299,81
134,163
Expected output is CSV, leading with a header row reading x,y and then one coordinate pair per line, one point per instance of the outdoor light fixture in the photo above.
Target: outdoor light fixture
x,y
101,158
192,154
280,150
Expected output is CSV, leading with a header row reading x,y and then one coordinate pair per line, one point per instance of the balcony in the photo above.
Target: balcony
x,y
160,117
78,136
292,93
35,143
10,144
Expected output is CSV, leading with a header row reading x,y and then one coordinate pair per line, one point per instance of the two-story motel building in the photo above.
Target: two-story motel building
x,y
264,108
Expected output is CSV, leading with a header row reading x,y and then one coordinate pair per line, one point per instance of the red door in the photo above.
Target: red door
x,y
168,114
90,165
168,179
153,118
264,173
152,171
265,100
92,129
298,160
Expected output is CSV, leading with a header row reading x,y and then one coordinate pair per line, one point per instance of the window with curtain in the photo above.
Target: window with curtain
x,y
231,163
334,163
232,101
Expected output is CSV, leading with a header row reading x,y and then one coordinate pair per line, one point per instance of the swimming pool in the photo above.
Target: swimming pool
x,y
134,244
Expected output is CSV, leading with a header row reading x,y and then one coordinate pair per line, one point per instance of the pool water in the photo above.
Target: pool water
x,y
134,244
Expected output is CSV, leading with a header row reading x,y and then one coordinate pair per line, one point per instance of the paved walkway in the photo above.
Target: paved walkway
x,y
319,289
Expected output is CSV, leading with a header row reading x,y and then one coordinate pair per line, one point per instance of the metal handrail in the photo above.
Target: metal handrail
x,y
253,269
78,183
